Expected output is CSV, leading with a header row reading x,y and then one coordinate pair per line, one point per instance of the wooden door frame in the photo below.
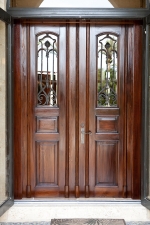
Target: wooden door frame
x,y
133,100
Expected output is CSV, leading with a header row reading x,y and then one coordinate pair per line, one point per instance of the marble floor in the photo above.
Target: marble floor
x,y
48,223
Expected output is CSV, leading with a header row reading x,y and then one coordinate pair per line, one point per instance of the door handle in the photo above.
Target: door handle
x,y
83,133
90,132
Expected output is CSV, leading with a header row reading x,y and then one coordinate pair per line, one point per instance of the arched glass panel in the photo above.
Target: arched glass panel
x,y
107,69
47,69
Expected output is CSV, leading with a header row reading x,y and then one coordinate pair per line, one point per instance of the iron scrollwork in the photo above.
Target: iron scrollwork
x,y
107,71
47,76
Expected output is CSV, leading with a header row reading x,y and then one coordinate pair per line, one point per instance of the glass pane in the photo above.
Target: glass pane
x,y
3,120
47,68
81,4
107,66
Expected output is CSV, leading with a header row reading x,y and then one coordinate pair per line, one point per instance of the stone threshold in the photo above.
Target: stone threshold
x,y
26,210
77,201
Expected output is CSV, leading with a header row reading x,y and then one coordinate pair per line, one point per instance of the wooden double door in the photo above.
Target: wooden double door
x,y
79,108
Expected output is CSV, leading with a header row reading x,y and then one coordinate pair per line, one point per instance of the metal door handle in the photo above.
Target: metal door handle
x,y
90,132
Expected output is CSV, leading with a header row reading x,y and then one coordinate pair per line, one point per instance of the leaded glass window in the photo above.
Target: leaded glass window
x,y
47,69
107,70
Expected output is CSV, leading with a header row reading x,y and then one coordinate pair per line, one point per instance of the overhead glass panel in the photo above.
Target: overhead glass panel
x,y
3,120
80,4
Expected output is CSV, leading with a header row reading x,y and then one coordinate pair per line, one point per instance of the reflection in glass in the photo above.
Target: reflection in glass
x,y
80,4
3,113
107,64
47,63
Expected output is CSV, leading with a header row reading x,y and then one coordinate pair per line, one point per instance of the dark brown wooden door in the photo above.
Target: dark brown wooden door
x,y
47,120
80,94
107,115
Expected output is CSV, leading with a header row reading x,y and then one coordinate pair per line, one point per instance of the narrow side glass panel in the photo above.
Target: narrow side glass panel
x,y
47,70
107,68
3,120
80,4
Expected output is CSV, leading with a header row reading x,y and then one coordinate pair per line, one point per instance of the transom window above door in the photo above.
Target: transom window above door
x,y
80,4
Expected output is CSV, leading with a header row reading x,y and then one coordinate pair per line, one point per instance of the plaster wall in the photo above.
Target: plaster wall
x,y
3,137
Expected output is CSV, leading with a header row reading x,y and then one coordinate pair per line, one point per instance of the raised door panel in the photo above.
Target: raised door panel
x,y
47,124
107,159
47,163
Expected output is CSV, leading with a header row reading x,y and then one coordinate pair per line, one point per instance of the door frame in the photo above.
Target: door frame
x,y
7,19
101,14
145,149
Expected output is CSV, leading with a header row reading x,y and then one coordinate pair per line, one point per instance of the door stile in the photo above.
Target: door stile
x,y
87,111
24,99
125,114
67,112
31,105
82,107
92,102
77,116
29,120
122,109
62,110
133,107
72,107
17,114
137,99
129,109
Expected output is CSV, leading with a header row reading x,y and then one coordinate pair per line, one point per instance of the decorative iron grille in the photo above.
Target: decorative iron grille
x,y
47,67
107,68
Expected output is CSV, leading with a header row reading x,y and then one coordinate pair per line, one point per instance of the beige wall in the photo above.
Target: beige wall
x,y
2,109
3,4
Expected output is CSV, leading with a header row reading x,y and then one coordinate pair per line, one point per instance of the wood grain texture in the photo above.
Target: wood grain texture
x,y
24,131
50,158
17,114
67,114
107,124
47,163
107,154
77,192
137,107
87,110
